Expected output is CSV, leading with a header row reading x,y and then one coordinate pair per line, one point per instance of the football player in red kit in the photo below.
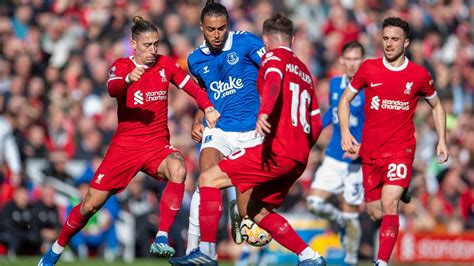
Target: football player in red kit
x,y
392,85
290,120
141,143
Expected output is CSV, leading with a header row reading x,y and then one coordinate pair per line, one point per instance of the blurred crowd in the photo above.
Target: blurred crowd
x,y
56,118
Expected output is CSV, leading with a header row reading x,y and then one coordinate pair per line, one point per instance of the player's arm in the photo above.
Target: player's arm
x,y
439,115
270,93
348,142
186,83
256,48
198,126
315,118
119,79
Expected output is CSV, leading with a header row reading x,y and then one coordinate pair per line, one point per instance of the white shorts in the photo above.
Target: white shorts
x,y
228,142
335,176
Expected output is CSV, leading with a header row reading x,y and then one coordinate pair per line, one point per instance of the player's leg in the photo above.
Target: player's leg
x,y
76,220
283,232
353,197
173,169
211,182
208,157
328,180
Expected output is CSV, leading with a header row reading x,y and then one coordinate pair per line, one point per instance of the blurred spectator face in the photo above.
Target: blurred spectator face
x,y
22,65
37,135
146,47
36,87
215,30
21,197
24,14
394,43
351,60
47,195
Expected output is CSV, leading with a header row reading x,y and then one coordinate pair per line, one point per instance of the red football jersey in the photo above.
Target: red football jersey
x,y
296,109
143,105
391,96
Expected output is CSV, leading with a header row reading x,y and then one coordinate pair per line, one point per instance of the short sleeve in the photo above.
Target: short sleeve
x,y
255,46
427,89
271,62
359,79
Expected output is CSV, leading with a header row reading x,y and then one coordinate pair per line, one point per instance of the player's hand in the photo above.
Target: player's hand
x,y
196,132
212,115
352,156
349,144
262,127
135,74
442,152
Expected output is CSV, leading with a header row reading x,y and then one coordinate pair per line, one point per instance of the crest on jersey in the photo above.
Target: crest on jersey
x,y
163,75
232,58
112,72
408,87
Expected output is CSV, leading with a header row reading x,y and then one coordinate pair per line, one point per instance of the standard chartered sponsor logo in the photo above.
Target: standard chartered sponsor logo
x,y
222,89
156,96
389,104
149,96
138,97
375,104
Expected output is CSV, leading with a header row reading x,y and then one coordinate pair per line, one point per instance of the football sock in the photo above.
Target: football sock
x,y
308,253
57,248
387,236
208,248
74,223
282,232
162,233
193,228
353,236
210,209
170,204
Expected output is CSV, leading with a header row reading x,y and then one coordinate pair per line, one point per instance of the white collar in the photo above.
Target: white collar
x,y
227,45
399,68
137,64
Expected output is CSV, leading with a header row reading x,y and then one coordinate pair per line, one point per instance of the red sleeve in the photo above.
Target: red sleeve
x,y
315,118
271,67
116,84
358,81
183,81
427,85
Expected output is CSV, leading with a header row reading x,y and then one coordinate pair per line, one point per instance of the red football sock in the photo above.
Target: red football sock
x,y
388,236
170,204
74,223
282,232
210,210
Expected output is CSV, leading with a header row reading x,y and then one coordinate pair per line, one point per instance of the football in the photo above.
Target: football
x,y
253,234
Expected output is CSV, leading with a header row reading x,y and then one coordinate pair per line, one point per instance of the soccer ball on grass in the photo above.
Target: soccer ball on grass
x,y
253,234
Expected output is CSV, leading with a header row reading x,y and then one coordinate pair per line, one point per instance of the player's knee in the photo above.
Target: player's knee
x,y
205,179
315,204
374,214
88,208
178,174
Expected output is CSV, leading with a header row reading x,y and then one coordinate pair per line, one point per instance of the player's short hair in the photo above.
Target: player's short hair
x,y
353,45
278,23
214,9
141,25
397,22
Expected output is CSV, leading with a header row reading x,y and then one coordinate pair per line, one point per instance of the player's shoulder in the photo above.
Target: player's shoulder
x,y
335,82
244,36
164,60
418,69
371,62
124,61
275,56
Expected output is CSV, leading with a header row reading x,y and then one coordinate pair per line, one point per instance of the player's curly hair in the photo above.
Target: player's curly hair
x,y
397,22
141,25
278,23
214,9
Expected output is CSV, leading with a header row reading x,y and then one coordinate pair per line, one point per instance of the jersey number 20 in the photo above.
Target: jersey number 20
x,y
299,102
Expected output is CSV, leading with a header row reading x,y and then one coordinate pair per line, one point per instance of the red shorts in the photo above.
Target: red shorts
x,y
385,171
270,177
121,164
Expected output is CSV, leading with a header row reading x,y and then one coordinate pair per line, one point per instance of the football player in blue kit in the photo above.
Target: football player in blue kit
x,y
226,66
340,173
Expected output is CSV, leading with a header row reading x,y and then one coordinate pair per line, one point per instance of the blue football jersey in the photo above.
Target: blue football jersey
x,y
230,77
337,86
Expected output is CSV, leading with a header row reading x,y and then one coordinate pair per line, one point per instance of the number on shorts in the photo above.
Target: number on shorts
x,y
237,154
300,102
397,171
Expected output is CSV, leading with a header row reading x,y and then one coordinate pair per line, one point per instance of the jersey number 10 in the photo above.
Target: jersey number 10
x,y
299,101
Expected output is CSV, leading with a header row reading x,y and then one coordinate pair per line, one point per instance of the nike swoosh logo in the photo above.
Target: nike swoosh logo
x,y
375,84
174,208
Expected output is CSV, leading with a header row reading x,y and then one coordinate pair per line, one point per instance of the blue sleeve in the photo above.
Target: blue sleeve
x,y
191,65
327,118
256,47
